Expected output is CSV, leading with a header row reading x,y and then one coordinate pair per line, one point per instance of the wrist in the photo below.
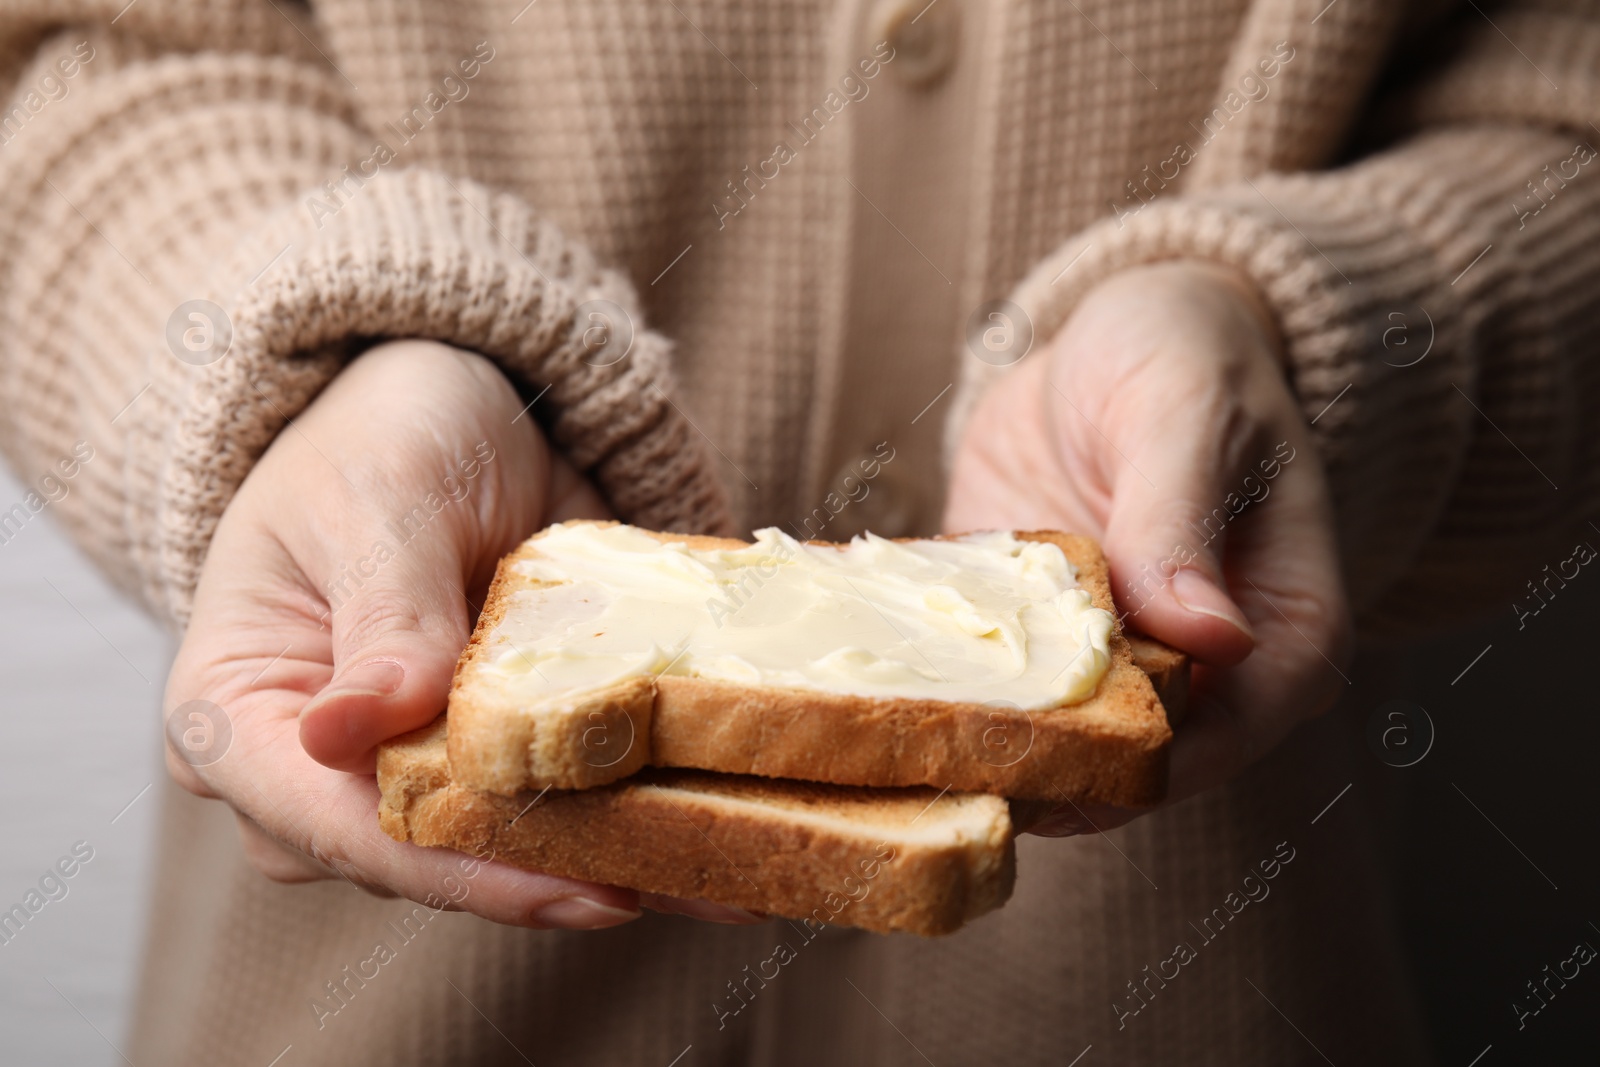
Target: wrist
x,y
407,424
421,373
1247,297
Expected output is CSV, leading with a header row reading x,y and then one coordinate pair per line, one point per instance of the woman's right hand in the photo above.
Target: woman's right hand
x,y
331,609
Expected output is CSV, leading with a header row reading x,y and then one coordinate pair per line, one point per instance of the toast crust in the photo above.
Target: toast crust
x,y
882,859
1168,671
1110,748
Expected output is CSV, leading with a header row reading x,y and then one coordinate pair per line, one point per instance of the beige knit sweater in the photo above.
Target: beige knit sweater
x,y
809,199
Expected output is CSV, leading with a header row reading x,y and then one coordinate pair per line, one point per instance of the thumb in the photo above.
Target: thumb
x,y
1164,541
399,619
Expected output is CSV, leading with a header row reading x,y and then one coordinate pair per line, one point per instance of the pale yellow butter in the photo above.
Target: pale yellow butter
x,y
981,618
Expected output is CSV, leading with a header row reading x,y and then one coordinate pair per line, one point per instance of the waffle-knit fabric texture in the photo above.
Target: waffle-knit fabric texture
x,y
1392,165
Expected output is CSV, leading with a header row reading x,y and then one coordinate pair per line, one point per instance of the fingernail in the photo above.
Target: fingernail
x,y
1068,825
1195,592
717,913
1064,822
581,913
379,677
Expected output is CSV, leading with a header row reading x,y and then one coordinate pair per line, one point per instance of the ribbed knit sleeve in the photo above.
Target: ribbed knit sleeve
x,y
1444,346
162,177
1440,306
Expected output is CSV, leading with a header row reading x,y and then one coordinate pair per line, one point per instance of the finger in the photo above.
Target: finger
x,y
1072,819
704,910
1008,473
1294,596
1288,554
572,496
186,776
1164,541
275,860
330,816
1236,716
399,623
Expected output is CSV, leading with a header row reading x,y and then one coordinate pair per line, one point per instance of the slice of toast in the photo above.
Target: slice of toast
x,y
905,859
1168,671
1108,748
914,859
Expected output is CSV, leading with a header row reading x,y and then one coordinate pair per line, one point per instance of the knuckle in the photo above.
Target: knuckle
x,y
374,614
187,778
1342,627
1321,615
1333,629
275,870
1322,649
329,852
269,858
302,859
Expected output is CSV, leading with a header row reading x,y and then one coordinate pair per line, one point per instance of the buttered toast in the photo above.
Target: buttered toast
x,y
913,860
602,649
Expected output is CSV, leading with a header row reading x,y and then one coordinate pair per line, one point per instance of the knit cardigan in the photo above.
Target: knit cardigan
x,y
1408,185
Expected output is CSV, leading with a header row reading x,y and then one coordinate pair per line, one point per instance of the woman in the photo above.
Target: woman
x,y
1287,302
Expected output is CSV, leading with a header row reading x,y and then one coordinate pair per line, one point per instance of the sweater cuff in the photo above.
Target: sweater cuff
x,y
416,254
1374,276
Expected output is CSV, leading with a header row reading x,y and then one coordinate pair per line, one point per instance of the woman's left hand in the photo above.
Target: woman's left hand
x,y
1159,421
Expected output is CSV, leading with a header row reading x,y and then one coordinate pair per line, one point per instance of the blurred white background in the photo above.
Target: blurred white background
x,y
81,671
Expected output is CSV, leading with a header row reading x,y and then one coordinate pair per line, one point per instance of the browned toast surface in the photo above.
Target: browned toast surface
x,y
1109,748
884,859
911,859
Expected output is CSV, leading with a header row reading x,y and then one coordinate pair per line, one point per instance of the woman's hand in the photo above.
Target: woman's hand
x,y
336,596
1159,421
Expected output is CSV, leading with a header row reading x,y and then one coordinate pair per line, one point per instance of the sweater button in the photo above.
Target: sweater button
x,y
923,36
